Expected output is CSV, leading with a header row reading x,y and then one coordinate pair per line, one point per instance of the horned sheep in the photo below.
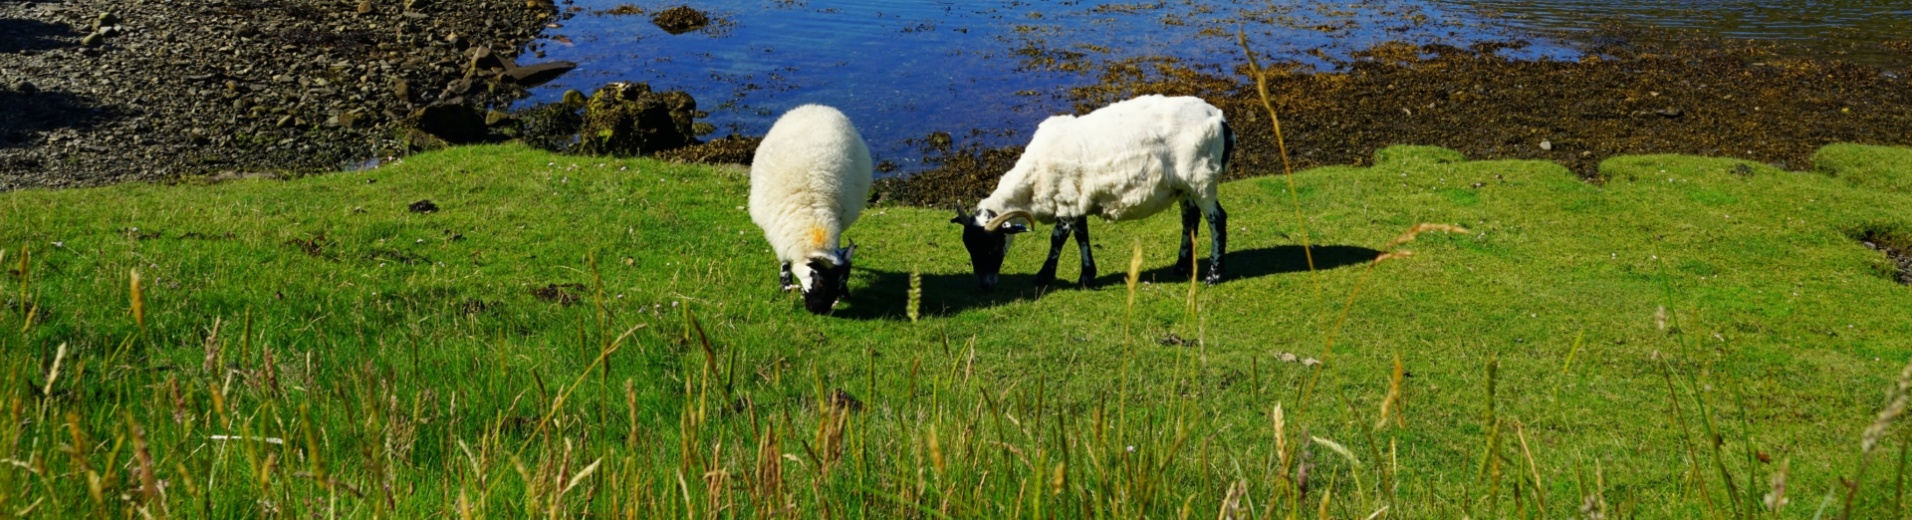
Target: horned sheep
x,y
1125,161
808,183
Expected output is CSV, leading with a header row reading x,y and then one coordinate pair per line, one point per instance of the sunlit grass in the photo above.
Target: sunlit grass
x,y
567,336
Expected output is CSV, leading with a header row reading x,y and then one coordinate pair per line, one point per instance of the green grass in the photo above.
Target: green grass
x,y
404,364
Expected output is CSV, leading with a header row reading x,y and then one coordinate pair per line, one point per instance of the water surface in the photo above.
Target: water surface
x,y
988,71
984,71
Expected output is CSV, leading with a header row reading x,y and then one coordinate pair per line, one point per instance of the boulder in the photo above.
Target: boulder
x,y
455,123
630,119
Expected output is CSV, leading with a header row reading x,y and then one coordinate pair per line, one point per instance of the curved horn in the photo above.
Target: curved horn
x,y
1003,219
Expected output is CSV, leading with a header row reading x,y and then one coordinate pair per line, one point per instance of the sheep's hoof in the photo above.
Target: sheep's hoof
x,y
792,287
1045,281
1212,278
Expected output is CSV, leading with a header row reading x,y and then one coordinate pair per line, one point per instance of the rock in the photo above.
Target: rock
x,y
365,7
92,40
680,19
25,87
1546,145
552,126
498,117
459,87
453,122
343,119
105,20
483,60
1669,112
574,98
538,74
630,119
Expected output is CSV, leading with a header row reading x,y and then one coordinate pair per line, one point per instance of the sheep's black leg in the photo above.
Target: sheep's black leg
x,y
1218,232
784,279
1185,258
1088,258
1057,237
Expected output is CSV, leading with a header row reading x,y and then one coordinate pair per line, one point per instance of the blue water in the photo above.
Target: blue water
x,y
902,69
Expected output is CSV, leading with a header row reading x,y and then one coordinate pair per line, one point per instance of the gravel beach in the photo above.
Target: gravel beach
x,y
96,91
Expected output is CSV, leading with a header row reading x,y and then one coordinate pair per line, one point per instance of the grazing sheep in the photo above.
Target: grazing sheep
x,y
808,183
1125,161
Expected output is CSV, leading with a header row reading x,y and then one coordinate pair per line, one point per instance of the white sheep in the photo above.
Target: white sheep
x,y
808,183
1125,161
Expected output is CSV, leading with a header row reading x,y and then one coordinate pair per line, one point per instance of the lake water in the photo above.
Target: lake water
x,y
988,71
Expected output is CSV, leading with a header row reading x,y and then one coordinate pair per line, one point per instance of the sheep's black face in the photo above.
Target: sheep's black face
x,y
829,283
986,247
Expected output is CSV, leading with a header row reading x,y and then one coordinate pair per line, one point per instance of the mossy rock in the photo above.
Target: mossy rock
x,y
628,119
551,126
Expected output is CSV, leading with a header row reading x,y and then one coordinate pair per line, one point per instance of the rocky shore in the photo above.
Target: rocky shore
x,y
99,91
1636,93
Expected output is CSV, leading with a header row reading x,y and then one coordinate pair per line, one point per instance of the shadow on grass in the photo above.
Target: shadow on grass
x,y
886,296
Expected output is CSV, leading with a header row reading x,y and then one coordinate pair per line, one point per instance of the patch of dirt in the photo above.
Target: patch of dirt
x,y
422,206
395,256
561,294
313,247
1640,91
195,235
842,400
475,306
1896,247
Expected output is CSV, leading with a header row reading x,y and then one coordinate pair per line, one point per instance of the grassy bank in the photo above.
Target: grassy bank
x,y
566,335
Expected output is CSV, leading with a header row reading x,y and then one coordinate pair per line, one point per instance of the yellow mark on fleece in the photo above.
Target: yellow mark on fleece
x,y
817,235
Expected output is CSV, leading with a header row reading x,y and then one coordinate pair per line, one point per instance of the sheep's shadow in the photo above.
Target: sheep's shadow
x,y
1255,263
885,296
24,35
24,116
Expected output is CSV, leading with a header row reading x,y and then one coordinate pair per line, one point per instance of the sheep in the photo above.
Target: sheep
x,y
1125,161
808,183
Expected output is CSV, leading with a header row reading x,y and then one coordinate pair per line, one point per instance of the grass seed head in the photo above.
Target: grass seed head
x,y
1393,255
916,295
139,302
1415,232
1776,498
1895,406
1135,271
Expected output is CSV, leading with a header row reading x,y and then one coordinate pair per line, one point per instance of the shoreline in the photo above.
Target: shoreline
x,y
239,88
1643,92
